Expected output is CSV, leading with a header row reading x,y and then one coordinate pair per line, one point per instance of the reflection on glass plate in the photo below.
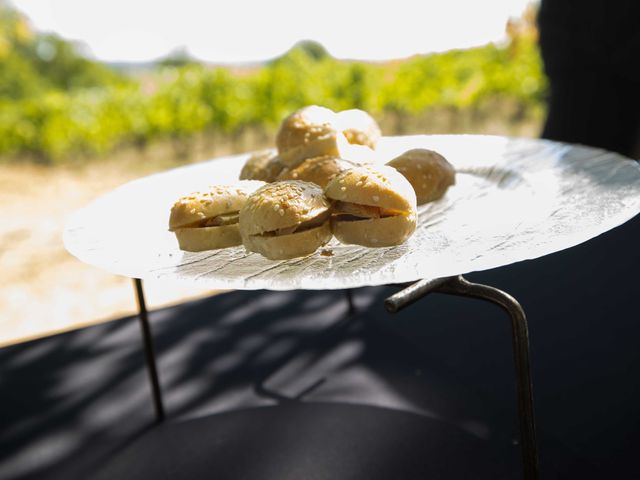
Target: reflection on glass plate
x,y
514,199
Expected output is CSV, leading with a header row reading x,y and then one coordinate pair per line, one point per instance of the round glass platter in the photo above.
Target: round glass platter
x,y
514,199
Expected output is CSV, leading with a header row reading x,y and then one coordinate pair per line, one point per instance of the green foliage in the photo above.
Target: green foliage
x,y
312,49
32,64
54,103
178,58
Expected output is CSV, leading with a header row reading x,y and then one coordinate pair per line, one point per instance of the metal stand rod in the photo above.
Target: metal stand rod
x,y
520,338
149,351
350,305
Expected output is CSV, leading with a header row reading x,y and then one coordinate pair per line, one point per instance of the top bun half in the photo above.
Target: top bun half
x,y
281,205
219,200
378,186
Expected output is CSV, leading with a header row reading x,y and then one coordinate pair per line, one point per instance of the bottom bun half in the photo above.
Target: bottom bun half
x,y
375,232
283,247
208,238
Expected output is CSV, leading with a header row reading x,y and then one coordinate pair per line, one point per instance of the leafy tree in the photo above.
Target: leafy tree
x,y
55,103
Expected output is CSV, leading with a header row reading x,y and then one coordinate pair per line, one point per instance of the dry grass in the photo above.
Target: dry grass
x,y
45,290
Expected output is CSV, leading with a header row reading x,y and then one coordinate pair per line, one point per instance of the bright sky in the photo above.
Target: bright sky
x,y
243,30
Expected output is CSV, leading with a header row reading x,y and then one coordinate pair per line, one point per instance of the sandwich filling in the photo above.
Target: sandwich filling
x,y
230,218
350,212
310,224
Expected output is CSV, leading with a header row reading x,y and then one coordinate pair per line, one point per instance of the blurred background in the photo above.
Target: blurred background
x,y
92,96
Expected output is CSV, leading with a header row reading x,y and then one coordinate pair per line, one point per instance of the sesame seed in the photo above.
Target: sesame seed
x,y
344,189
376,198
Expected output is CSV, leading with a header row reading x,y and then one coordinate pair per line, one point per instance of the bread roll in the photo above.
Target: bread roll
x,y
359,127
285,219
263,165
318,170
429,173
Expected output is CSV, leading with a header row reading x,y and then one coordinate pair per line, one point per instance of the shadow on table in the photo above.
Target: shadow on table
x,y
73,401
89,387
70,402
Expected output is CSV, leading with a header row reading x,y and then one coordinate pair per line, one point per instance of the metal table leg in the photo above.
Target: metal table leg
x,y
520,337
150,357
350,303
149,351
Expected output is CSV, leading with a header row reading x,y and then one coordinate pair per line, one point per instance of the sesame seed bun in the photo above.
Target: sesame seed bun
x,y
327,145
208,238
358,127
270,219
263,165
378,186
307,133
318,170
304,127
192,215
375,232
429,173
281,205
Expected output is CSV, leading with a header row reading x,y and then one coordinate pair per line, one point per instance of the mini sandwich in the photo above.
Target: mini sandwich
x,y
264,165
373,207
428,172
313,132
209,220
285,219
318,170
358,127
307,133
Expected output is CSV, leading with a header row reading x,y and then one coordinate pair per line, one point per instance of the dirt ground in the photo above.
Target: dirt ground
x,y
44,289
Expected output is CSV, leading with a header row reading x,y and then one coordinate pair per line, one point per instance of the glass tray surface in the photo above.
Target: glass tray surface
x,y
514,199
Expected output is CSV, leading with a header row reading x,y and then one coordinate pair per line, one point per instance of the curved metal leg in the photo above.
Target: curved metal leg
x,y
149,351
520,338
